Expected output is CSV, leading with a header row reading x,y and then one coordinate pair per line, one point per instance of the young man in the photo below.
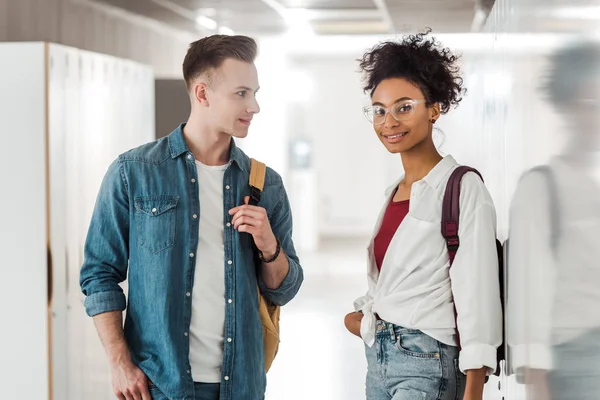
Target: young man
x,y
175,212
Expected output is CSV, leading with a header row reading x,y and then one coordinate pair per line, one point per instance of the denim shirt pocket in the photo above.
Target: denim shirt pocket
x,y
156,218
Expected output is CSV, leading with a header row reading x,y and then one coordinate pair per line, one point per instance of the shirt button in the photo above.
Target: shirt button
x,y
227,187
154,210
193,180
185,333
188,371
188,294
192,255
189,156
229,340
228,224
194,216
229,262
226,378
230,301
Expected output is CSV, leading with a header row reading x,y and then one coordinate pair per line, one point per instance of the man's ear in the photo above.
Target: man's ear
x,y
200,92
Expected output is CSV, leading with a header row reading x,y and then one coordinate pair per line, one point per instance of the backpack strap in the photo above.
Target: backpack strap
x,y
450,219
258,171
451,209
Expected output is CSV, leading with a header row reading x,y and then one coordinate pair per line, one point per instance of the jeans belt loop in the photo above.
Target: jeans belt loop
x,y
392,332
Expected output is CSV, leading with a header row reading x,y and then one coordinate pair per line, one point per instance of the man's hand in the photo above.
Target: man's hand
x,y
254,220
129,382
352,322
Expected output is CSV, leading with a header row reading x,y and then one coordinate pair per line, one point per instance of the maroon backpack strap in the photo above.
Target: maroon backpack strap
x,y
450,218
451,209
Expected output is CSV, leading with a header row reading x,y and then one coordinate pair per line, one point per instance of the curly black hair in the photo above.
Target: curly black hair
x,y
421,60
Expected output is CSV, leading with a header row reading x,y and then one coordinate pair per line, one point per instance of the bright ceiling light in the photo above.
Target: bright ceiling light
x,y
209,12
297,20
587,13
296,16
206,22
223,30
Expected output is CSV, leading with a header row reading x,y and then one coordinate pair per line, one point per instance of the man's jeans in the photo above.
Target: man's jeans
x,y
202,391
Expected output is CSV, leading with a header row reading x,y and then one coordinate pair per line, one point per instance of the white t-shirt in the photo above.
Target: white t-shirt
x,y
208,297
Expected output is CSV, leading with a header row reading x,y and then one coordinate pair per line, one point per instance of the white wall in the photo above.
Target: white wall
x,y
23,230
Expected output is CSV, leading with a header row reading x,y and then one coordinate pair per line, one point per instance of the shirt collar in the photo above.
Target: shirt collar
x,y
434,177
178,146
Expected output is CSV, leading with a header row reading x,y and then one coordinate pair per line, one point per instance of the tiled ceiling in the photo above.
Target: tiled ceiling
x,y
327,16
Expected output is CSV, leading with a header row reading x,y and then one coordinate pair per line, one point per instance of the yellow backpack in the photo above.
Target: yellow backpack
x,y
269,312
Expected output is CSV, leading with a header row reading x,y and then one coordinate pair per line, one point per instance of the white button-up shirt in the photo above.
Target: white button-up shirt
x,y
417,289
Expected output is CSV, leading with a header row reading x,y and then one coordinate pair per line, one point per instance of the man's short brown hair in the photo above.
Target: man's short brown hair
x,y
210,52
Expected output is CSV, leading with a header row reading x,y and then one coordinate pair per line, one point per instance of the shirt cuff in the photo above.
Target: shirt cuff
x,y
476,356
533,356
289,286
102,302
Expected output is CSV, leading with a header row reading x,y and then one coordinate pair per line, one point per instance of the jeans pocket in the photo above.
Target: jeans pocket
x,y
156,221
415,343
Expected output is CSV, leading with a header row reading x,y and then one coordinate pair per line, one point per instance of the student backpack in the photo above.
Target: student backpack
x,y
450,221
269,312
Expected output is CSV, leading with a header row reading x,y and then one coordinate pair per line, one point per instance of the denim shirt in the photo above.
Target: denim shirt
x,y
143,226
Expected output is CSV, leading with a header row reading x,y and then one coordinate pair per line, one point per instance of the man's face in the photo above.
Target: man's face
x,y
231,97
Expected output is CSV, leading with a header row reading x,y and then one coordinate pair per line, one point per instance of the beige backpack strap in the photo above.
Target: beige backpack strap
x,y
258,171
269,313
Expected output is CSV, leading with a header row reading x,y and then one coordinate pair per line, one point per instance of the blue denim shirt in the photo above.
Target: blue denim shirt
x,y
142,225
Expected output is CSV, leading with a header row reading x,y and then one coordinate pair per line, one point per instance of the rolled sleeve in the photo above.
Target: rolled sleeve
x,y
288,288
476,356
106,252
102,302
281,224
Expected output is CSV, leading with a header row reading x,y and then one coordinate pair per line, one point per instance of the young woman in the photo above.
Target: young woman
x,y
407,318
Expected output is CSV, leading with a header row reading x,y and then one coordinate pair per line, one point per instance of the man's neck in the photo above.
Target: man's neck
x,y
209,147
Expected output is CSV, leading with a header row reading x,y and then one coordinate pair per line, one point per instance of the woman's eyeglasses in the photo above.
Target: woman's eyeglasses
x,y
400,111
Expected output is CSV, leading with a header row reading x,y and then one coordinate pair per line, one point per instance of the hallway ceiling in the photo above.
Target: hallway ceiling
x,y
265,17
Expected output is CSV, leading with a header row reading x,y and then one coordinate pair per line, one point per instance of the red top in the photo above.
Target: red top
x,y
394,214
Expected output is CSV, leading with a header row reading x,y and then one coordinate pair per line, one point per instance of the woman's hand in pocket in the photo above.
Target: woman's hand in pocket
x,y
352,322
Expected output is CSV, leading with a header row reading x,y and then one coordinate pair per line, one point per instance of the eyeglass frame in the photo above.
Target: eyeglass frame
x,y
387,111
